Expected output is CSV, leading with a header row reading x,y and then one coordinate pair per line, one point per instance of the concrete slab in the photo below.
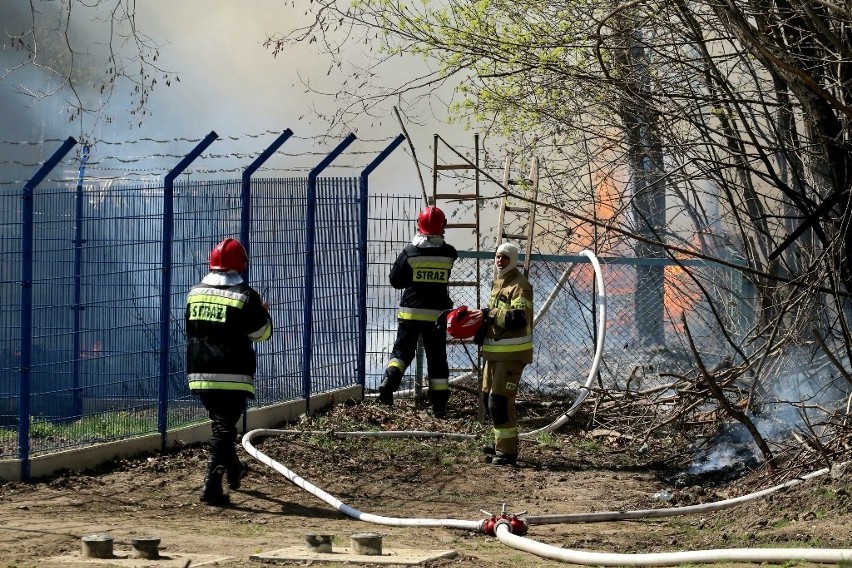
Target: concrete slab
x,y
166,560
405,556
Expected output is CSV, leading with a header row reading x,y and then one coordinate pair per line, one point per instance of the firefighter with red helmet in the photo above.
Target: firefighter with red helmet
x,y
506,340
422,271
224,318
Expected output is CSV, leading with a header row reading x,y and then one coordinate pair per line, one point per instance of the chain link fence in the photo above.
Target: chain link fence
x,y
102,362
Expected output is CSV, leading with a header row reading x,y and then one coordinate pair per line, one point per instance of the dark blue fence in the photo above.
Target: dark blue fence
x,y
94,279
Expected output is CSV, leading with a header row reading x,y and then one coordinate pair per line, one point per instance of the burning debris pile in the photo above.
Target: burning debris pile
x,y
727,455
715,426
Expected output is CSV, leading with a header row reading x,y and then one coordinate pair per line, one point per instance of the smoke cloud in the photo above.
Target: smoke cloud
x,y
221,78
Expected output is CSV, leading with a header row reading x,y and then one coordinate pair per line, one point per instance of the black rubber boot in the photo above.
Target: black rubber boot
x,y
385,396
438,400
500,458
488,449
236,473
211,492
389,386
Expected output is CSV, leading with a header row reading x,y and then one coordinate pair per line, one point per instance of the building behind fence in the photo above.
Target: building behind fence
x,y
91,327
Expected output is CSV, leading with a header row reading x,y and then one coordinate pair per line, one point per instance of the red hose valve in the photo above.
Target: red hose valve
x,y
516,524
488,526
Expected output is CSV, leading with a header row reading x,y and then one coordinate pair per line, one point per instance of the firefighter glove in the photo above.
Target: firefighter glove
x,y
441,322
479,336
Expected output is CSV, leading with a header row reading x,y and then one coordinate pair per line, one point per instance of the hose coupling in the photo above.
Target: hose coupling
x,y
516,524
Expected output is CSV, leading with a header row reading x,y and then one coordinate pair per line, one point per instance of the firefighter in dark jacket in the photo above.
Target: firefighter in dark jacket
x,y
422,270
506,339
224,317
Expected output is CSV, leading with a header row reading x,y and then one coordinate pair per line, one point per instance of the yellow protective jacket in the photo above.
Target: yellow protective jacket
x,y
510,295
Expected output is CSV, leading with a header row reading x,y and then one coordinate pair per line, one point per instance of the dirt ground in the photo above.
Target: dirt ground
x,y
42,523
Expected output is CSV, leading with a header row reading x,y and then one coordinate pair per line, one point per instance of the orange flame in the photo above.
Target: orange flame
x,y
95,351
680,294
606,203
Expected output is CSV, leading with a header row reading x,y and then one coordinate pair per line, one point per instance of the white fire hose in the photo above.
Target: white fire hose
x,y
602,516
502,527
337,503
780,555
599,346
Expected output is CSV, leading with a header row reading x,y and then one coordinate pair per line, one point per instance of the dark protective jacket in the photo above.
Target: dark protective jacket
x,y
422,271
224,317
509,334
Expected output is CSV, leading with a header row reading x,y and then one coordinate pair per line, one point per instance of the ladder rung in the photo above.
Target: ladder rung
x,y
455,196
461,225
518,209
455,167
515,237
462,283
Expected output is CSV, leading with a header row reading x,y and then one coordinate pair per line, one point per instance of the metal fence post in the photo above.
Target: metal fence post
x,y
245,195
27,257
76,393
245,214
310,232
362,260
166,282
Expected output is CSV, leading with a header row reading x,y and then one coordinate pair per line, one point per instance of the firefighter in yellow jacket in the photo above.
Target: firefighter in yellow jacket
x,y
506,339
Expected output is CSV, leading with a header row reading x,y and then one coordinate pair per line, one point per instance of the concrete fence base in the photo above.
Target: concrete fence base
x,y
88,457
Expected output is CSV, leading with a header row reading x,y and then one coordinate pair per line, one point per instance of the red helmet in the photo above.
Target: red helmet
x,y
229,255
463,323
431,221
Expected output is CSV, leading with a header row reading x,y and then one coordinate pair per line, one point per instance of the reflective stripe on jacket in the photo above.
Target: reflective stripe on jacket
x,y
417,314
220,381
509,293
423,273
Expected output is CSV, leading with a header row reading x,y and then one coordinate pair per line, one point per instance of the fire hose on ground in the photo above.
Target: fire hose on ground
x,y
510,529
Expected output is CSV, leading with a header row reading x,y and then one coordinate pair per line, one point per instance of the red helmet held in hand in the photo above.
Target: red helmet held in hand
x,y
229,255
431,221
463,323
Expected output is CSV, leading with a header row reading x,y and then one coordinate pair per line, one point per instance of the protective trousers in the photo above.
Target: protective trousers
x,y
500,381
224,409
435,347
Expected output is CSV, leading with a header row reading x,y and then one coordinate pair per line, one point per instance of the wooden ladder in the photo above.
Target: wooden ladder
x,y
458,205
516,221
